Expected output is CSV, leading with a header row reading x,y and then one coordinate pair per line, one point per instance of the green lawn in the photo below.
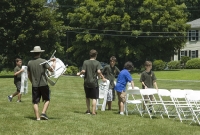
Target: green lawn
x,y
67,107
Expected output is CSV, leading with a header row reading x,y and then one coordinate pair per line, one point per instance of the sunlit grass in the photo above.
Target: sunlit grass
x,y
67,107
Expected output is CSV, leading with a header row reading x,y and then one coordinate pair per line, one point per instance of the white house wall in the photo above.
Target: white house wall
x,y
191,45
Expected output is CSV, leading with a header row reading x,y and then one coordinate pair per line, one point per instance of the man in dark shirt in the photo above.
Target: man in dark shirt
x,y
40,88
91,69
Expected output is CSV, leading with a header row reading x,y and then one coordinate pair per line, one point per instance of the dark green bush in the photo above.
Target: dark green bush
x,y
193,64
184,59
71,70
174,65
158,65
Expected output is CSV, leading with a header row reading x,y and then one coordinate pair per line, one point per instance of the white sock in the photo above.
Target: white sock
x,y
122,113
38,119
11,96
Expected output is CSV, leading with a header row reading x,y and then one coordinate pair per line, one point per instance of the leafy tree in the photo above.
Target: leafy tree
x,y
25,24
131,30
193,8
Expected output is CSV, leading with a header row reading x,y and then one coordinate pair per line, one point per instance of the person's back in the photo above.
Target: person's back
x,y
91,67
38,72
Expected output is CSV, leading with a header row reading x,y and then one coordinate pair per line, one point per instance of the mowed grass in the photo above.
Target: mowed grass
x,y
67,107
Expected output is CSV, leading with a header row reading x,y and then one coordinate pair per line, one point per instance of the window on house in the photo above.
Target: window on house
x,y
193,53
193,35
183,53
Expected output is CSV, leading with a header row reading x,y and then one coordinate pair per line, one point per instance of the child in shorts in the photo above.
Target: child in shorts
x,y
123,78
148,79
109,72
17,80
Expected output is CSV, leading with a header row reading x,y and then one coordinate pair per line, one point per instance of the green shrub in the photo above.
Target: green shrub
x,y
158,65
193,64
174,65
71,70
184,59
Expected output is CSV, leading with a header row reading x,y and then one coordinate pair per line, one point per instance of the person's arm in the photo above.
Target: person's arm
x,y
101,75
155,85
53,66
18,72
80,73
154,81
132,84
144,85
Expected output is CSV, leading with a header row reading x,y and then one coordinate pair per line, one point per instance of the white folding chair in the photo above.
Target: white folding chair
x,y
168,105
103,91
188,91
193,100
135,101
152,107
182,107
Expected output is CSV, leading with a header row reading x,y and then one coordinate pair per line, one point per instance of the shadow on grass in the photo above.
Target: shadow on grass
x,y
33,118
6,76
82,112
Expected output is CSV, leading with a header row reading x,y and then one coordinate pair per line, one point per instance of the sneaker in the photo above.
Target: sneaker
x,y
9,98
87,112
19,101
121,113
44,116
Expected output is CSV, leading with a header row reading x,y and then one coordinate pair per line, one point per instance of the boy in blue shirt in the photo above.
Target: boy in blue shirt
x,y
123,77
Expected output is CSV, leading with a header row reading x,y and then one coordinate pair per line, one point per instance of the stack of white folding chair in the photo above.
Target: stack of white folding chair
x,y
133,98
152,107
182,107
103,91
193,99
168,104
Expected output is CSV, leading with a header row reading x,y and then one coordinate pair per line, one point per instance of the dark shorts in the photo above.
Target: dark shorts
x,y
18,86
92,93
38,92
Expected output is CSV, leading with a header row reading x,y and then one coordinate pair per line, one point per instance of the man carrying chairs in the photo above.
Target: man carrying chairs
x,y
40,88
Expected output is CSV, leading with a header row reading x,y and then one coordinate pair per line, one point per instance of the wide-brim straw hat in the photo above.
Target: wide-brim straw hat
x,y
37,49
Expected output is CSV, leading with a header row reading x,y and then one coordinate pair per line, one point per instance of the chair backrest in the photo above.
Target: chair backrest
x,y
149,91
193,97
164,92
133,91
178,93
188,91
103,87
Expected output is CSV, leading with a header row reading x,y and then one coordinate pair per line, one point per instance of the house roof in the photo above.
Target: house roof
x,y
195,23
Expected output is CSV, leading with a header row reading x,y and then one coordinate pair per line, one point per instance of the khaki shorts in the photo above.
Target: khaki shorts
x,y
121,96
148,97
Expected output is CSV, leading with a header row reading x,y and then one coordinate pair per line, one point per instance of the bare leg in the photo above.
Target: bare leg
x,y
45,107
94,102
36,110
88,104
121,107
14,94
19,96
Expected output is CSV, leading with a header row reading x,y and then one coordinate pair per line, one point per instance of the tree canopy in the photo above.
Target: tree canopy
x,y
129,29
132,30
25,24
